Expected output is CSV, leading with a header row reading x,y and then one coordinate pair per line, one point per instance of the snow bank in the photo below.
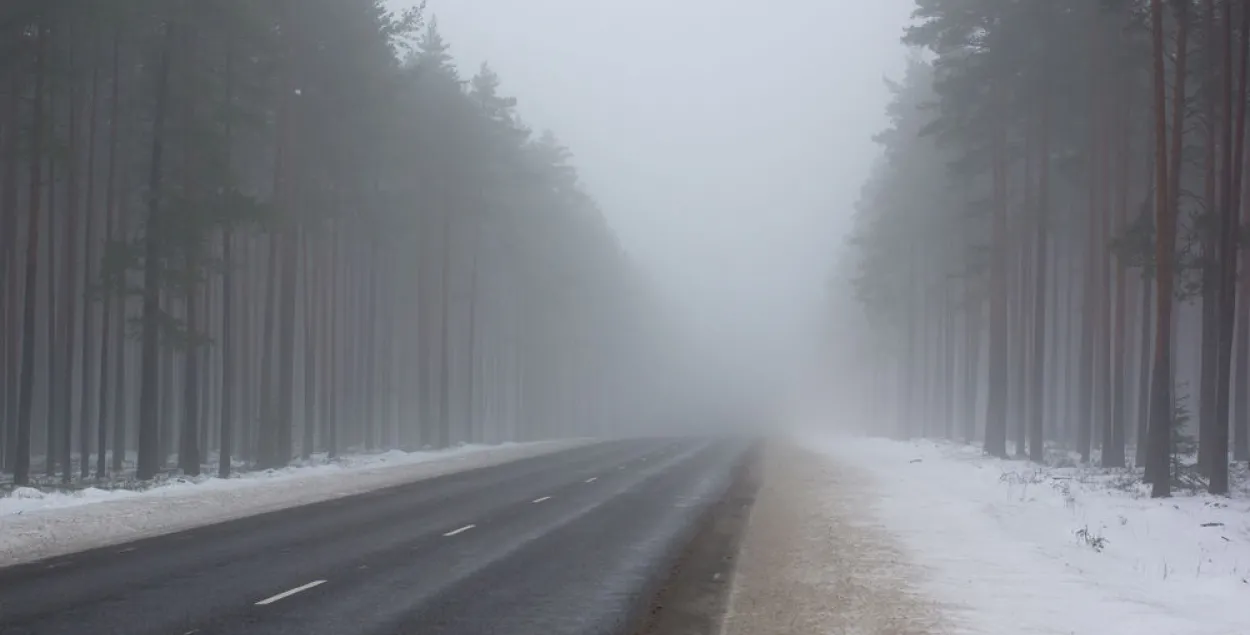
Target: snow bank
x,y
35,524
1020,548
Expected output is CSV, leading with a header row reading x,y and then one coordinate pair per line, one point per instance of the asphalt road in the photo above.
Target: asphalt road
x,y
574,542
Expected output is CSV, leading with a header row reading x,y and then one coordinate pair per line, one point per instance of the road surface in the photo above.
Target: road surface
x,y
574,542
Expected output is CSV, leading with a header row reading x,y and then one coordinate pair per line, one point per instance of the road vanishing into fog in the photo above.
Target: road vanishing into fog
x,y
574,542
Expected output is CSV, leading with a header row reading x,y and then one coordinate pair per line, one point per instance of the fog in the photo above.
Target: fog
x,y
561,316
726,142
344,245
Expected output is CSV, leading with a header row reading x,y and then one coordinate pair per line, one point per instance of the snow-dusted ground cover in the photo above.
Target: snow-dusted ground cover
x,y
35,524
1011,547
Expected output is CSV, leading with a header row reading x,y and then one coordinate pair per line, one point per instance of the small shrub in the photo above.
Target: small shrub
x,y
1023,480
1094,540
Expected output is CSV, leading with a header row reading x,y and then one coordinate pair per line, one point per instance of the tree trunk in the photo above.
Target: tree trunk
x,y
1037,420
972,361
69,284
907,366
54,390
21,469
149,383
188,437
372,323
1215,116
228,349
1145,355
1233,155
1072,350
246,360
310,345
189,447
88,312
444,400
1165,227
12,300
266,438
1113,451
470,390
1085,400
1241,379
996,405
1241,383
325,343
286,379
333,341
106,308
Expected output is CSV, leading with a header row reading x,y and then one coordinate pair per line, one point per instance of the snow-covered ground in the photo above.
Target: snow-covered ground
x,y
1011,547
35,524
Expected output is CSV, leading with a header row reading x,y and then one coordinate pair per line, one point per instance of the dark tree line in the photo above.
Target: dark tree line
x,y
1051,244
258,229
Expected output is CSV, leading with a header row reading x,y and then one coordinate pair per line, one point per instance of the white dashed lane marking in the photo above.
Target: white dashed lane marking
x,y
458,531
287,594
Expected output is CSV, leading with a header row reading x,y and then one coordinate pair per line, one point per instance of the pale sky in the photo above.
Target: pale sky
x,y
726,140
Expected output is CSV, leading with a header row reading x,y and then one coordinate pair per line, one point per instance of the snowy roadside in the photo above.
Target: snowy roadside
x,y
35,525
1017,548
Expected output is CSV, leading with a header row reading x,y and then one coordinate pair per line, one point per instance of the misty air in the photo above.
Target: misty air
x,y
664,317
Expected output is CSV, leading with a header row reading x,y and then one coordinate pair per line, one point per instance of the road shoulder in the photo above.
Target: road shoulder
x,y
814,559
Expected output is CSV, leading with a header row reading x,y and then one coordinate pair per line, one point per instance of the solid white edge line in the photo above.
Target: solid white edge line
x,y
592,479
458,531
287,594
545,498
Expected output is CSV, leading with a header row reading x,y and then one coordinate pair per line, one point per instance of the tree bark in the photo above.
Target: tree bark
x,y
188,438
1216,114
1165,226
1037,415
1113,452
444,400
153,279
21,469
309,347
12,299
1233,154
106,306
55,388
266,438
228,349
996,406
88,311
333,341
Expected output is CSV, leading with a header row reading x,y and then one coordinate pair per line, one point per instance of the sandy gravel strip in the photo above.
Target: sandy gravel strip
x,y
815,561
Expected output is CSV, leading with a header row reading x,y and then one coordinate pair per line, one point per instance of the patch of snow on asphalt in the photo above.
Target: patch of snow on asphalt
x,y
36,525
1021,548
